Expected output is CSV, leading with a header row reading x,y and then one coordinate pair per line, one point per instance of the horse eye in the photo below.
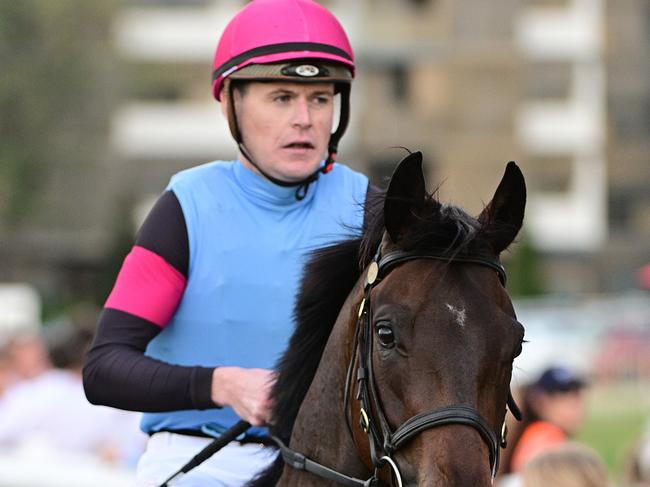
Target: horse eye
x,y
386,336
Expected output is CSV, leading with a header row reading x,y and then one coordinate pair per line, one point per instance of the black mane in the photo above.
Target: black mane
x,y
328,278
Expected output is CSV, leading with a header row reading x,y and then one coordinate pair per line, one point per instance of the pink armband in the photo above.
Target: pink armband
x,y
147,286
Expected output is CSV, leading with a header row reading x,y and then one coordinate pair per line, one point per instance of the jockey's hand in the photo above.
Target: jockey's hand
x,y
247,391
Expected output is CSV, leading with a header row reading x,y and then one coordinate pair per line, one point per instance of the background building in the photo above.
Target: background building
x,y
561,86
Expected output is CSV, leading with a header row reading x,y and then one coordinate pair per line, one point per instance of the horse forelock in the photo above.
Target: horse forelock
x,y
433,225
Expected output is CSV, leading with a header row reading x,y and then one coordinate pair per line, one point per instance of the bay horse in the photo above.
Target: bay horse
x,y
398,372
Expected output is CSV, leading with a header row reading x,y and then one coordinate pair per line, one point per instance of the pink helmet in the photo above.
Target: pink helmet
x,y
273,31
290,40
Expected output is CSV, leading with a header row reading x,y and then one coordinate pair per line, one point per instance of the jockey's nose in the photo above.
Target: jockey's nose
x,y
302,113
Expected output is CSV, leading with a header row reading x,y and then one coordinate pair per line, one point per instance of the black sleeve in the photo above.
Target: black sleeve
x,y
118,374
116,371
165,233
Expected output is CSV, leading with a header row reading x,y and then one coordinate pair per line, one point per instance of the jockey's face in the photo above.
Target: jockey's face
x,y
285,126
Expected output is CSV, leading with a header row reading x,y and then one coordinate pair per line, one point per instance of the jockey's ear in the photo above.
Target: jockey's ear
x,y
406,193
503,217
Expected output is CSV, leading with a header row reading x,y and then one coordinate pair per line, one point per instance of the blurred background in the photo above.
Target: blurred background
x,y
101,102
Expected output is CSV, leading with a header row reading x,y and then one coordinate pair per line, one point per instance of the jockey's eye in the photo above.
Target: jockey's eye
x,y
385,335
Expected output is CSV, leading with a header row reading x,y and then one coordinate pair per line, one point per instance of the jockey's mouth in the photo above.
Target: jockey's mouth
x,y
299,145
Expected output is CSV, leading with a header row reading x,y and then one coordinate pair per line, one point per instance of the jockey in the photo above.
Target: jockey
x,y
202,307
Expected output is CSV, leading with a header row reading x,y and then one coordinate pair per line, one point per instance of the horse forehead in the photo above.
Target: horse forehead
x,y
430,288
435,281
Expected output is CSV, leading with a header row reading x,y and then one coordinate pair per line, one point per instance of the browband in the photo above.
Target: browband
x,y
398,256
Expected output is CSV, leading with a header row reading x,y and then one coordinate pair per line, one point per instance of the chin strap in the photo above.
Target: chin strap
x,y
301,186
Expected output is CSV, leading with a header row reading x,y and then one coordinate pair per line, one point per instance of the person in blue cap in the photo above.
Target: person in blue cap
x,y
554,411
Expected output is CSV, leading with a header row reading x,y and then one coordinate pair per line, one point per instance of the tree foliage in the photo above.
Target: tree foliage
x,y
54,56
524,270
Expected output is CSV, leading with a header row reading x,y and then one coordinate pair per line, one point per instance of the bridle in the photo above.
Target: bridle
x,y
383,440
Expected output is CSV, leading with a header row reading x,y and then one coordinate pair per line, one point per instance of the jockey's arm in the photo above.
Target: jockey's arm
x,y
117,372
150,285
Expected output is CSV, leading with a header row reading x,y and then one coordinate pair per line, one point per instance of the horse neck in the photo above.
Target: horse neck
x,y
320,431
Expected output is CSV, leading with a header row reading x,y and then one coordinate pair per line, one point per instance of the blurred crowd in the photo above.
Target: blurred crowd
x,y
542,450
43,407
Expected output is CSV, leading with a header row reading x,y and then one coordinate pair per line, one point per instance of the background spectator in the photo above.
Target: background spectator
x,y
567,465
25,356
638,468
49,409
553,409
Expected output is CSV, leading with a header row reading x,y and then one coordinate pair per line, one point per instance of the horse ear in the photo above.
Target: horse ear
x,y
406,192
502,218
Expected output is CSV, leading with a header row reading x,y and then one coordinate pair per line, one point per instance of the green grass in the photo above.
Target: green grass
x,y
615,420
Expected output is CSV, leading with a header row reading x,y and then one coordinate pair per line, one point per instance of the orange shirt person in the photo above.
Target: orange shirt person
x,y
558,404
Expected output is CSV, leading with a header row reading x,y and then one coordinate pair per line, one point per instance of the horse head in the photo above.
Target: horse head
x,y
442,333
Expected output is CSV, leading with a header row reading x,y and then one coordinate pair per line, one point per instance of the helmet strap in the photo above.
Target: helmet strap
x,y
335,137
302,186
